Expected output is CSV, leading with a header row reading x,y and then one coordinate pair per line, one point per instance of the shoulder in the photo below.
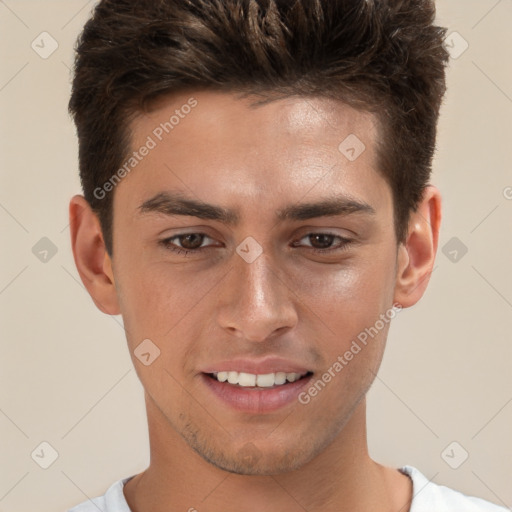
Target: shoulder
x,y
428,496
112,501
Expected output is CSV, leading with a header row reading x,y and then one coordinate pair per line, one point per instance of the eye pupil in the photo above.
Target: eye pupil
x,y
325,240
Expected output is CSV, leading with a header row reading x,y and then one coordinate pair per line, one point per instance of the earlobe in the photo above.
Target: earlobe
x,y
417,256
91,258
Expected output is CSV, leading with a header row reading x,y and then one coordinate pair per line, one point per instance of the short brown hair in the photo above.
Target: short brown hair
x,y
382,56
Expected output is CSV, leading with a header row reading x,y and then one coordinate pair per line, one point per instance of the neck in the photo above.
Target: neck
x,y
342,478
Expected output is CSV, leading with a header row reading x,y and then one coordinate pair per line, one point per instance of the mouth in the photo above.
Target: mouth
x,y
255,393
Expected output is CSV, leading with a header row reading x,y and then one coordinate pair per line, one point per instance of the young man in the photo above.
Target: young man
x,y
257,201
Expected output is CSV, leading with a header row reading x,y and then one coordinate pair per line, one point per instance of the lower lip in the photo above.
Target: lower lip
x,y
256,400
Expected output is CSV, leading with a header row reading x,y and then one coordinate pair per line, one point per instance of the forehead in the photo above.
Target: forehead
x,y
255,120
218,145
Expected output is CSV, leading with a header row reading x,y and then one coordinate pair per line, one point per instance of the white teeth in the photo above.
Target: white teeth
x,y
222,376
266,380
280,377
246,379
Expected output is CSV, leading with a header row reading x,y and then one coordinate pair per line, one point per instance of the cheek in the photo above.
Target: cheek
x,y
157,305
351,293
353,311
158,300
351,306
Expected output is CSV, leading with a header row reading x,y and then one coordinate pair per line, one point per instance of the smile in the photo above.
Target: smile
x,y
251,380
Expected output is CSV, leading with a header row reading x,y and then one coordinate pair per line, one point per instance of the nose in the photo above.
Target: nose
x,y
256,300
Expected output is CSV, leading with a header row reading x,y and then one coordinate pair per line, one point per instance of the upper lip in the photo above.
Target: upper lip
x,y
257,366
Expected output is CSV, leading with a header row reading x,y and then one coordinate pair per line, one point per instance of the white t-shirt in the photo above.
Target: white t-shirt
x,y
427,497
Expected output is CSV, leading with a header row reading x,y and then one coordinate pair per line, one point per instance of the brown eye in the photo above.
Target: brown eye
x,y
192,241
186,243
321,240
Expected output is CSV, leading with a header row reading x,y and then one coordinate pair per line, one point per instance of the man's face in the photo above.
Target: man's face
x,y
255,289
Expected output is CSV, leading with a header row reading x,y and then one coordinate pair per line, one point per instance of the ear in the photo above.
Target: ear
x,y
416,257
91,258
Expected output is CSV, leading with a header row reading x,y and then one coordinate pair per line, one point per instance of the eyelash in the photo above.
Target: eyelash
x,y
167,244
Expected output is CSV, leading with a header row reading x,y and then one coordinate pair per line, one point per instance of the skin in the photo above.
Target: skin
x,y
290,302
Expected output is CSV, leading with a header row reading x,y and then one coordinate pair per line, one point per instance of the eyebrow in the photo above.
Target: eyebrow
x,y
176,203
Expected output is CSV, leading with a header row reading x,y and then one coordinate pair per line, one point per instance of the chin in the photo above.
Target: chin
x,y
262,466
250,460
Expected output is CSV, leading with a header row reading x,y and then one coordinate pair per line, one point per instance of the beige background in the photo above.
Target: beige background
x,y
67,378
